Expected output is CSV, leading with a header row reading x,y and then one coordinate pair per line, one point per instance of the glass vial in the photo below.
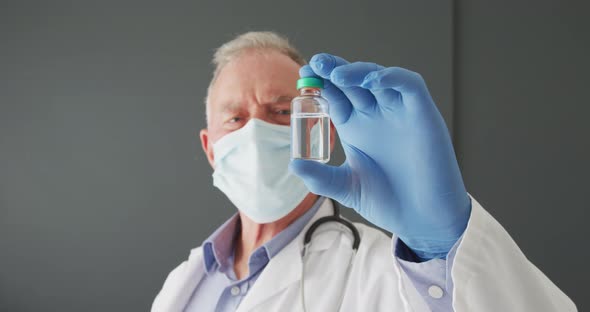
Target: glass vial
x,y
310,122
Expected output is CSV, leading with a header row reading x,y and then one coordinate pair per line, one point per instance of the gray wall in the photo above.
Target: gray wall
x,y
103,185
521,126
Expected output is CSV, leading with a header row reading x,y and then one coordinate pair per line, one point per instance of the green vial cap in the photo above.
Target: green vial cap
x,y
310,82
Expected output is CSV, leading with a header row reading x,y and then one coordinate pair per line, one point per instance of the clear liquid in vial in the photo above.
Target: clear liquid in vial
x,y
310,137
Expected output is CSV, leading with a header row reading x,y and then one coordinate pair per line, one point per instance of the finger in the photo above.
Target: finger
x,y
408,83
349,78
323,64
326,65
340,106
397,78
388,99
306,71
353,74
322,179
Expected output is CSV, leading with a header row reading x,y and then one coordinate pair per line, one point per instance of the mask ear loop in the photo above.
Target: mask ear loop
x,y
307,242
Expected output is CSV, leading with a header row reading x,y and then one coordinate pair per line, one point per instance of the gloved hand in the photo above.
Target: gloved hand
x,y
400,172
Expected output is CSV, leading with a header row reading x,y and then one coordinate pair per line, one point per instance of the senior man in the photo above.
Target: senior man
x,y
447,253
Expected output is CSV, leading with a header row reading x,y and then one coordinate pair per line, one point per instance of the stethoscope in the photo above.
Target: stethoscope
x,y
335,217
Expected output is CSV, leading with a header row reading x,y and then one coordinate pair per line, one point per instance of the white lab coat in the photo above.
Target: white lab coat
x,y
490,273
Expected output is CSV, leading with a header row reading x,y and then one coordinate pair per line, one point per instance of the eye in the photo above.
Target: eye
x,y
234,119
284,112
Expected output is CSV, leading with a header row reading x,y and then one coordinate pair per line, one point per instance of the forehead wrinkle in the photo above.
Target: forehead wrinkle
x,y
251,81
273,93
278,100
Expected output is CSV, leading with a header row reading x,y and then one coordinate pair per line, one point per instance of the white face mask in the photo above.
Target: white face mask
x,y
251,168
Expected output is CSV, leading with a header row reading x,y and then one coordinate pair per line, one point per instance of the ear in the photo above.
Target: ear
x,y
207,147
332,136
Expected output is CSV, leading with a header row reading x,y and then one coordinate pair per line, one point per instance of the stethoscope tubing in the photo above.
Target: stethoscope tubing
x,y
333,218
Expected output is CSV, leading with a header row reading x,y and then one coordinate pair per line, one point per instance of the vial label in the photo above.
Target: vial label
x,y
310,137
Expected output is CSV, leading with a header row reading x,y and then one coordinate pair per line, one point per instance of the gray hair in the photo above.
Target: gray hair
x,y
254,40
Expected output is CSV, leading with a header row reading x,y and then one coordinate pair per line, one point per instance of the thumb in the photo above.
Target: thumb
x,y
322,179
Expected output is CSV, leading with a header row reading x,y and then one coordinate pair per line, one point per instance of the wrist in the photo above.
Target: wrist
x,y
439,245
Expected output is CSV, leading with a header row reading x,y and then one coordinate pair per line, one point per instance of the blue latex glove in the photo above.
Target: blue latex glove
x,y
400,172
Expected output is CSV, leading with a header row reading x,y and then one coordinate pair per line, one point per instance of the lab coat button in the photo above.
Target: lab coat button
x,y
435,292
235,290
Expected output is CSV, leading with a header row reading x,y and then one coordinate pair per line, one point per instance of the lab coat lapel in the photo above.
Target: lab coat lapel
x,y
181,284
284,269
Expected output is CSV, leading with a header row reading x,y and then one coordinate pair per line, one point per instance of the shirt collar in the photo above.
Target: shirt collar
x,y
281,240
218,248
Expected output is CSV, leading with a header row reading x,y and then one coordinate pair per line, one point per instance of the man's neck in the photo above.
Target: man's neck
x,y
253,235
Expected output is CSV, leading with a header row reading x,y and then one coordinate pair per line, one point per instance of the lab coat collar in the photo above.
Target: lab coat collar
x,y
275,273
282,271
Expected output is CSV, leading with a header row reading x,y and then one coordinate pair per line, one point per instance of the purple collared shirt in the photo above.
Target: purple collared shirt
x,y
219,290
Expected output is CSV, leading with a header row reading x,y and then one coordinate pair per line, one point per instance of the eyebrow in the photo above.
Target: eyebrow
x,y
233,106
230,106
283,98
